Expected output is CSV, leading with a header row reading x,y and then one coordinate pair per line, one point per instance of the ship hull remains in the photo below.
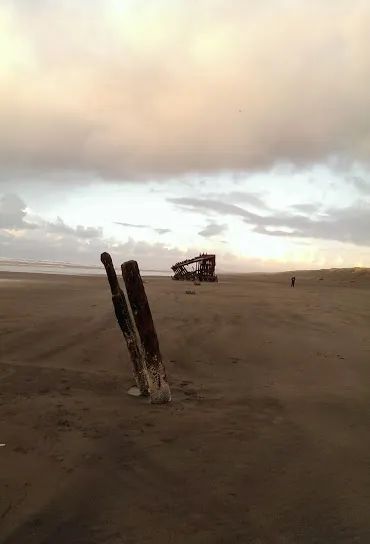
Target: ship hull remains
x,y
201,268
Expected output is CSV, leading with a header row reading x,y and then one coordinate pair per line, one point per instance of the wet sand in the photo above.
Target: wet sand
x,y
266,441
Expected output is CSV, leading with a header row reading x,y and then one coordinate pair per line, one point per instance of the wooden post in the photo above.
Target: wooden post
x,y
125,322
158,386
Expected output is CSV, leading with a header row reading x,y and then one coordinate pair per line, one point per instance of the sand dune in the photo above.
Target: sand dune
x,y
357,275
267,438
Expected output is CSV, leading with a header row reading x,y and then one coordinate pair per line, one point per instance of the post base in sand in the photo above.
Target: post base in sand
x,y
159,396
162,395
134,391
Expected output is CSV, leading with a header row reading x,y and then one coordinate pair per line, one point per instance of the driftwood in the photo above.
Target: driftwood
x,y
156,375
125,322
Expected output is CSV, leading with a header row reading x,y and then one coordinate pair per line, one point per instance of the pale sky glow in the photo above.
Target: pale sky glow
x,y
160,128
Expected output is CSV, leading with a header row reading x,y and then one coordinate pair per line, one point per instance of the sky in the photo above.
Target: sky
x,y
158,129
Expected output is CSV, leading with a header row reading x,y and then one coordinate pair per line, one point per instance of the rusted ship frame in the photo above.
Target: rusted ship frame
x,y
201,268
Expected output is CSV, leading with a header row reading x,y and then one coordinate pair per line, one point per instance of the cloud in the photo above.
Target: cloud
x,y
162,231
13,216
213,229
205,205
350,224
13,212
82,245
36,246
60,227
56,240
131,225
60,242
158,230
362,185
307,208
167,88
237,197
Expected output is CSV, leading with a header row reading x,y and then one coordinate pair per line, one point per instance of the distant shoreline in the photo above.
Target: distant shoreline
x,y
69,269
65,269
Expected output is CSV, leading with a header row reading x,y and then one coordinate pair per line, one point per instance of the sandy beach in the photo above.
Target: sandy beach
x,y
267,438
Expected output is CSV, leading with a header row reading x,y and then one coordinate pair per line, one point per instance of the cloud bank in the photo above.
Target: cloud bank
x,y
24,237
349,224
157,88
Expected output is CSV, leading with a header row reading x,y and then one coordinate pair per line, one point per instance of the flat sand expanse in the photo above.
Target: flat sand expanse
x,y
267,439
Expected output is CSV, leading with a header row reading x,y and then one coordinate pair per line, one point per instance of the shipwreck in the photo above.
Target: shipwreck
x,y
201,268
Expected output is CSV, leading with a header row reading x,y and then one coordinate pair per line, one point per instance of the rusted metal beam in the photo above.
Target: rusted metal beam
x,y
157,381
127,327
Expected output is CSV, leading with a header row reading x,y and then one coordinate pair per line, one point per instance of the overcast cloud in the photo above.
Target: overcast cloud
x,y
151,89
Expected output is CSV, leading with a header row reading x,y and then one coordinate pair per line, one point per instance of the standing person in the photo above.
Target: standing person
x,y
292,281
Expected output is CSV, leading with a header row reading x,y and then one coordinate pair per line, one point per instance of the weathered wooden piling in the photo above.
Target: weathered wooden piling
x,y
125,322
156,375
